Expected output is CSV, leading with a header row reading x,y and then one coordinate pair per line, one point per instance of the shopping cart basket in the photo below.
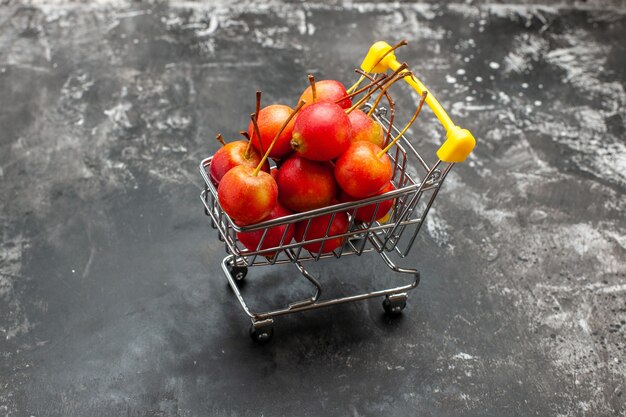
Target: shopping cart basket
x,y
416,186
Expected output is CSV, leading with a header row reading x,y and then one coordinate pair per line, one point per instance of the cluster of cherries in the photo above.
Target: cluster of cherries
x,y
326,151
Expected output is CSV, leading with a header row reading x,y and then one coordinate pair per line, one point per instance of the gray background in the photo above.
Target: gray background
x,y
111,297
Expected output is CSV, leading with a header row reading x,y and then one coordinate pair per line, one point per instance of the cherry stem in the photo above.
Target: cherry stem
x,y
258,103
392,108
220,139
403,42
360,90
313,90
254,117
246,154
390,80
267,153
356,84
408,125
375,78
399,76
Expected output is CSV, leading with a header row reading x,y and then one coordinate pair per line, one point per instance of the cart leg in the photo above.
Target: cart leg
x,y
261,331
312,280
395,303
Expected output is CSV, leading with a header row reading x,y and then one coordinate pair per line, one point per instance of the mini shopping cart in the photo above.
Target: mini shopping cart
x,y
416,186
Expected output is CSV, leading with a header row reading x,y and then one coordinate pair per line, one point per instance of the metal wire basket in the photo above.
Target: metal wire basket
x,y
416,186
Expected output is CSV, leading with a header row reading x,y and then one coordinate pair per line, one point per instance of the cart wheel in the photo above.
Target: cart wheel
x,y
394,304
262,334
238,272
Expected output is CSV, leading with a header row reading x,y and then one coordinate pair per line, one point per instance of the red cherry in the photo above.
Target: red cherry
x,y
360,172
245,197
274,234
327,90
317,229
270,120
366,213
322,131
365,128
306,185
231,155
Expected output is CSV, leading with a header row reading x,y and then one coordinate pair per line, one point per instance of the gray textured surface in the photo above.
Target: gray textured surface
x,y
111,298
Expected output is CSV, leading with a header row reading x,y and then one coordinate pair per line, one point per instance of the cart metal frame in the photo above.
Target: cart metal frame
x,y
416,186
396,235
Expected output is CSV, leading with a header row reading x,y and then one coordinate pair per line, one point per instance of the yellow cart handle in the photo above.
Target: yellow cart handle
x,y
459,142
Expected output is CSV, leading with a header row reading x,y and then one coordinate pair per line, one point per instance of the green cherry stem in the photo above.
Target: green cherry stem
x,y
399,76
246,154
392,108
360,90
408,125
389,81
